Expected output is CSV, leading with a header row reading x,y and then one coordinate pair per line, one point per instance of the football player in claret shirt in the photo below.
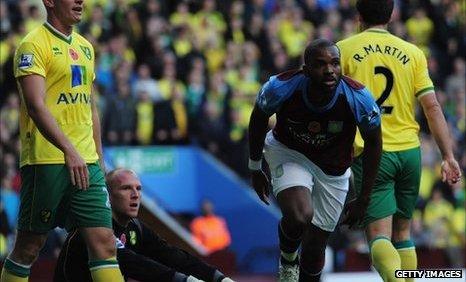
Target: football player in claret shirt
x,y
396,74
309,152
63,182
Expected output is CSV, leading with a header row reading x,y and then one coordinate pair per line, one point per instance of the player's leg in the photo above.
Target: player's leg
x,y
17,265
294,202
406,192
90,212
40,198
291,186
101,244
404,245
384,255
313,254
328,198
378,219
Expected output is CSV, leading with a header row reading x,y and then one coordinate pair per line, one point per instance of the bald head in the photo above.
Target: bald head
x,y
115,177
124,189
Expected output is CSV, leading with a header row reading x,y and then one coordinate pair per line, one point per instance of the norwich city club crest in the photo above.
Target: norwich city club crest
x,y
45,215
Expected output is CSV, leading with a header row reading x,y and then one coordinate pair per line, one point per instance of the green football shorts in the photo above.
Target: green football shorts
x,y
48,199
396,187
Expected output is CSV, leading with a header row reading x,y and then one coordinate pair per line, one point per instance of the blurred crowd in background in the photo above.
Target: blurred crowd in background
x,y
187,72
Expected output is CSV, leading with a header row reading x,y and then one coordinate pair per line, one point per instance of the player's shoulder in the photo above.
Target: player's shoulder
x,y
353,84
347,42
287,79
354,90
36,36
289,74
408,47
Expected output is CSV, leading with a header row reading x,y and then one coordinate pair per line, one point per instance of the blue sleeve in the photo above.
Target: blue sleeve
x,y
274,92
365,110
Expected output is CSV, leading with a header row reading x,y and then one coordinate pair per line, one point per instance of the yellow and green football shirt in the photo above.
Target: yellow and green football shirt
x,y
395,71
67,64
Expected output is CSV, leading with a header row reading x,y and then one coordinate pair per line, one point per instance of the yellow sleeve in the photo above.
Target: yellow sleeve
x,y
343,63
29,59
422,81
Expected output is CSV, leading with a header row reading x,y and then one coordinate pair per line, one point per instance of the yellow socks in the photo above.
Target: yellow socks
x,y
105,270
407,253
14,272
385,259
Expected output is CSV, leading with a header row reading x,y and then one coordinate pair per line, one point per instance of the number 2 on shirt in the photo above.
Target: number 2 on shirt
x,y
388,89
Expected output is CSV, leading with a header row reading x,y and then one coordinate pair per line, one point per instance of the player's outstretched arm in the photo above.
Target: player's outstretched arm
x,y
451,172
258,126
355,210
142,268
33,88
158,250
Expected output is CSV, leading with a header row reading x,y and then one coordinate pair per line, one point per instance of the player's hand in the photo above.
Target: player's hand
x,y
260,183
451,172
78,169
354,212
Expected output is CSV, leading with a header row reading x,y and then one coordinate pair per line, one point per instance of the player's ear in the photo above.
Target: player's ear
x,y
48,3
306,70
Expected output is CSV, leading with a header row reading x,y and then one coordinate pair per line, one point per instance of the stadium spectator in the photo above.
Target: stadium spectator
x,y
121,116
145,83
210,230
141,253
420,29
406,81
212,133
437,214
457,236
144,118
309,152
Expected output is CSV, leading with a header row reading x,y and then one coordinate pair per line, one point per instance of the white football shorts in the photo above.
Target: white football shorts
x,y
289,168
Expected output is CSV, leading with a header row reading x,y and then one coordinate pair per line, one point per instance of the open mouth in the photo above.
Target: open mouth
x,y
134,205
330,82
78,9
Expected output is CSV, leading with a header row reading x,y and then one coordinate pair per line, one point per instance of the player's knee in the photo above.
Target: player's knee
x,y
401,231
102,245
302,219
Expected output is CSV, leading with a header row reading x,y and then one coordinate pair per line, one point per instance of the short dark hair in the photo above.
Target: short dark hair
x,y
314,46
375,12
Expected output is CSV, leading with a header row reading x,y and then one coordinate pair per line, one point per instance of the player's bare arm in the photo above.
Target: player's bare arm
x,y
33,88
451,172
372,153
96,130
258,126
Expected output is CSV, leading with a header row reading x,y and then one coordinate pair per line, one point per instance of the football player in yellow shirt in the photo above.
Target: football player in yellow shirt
x,y
395,72
63,183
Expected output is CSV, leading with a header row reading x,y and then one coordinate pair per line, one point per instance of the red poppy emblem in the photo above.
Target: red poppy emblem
x,y
313,127
123,239
73,54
